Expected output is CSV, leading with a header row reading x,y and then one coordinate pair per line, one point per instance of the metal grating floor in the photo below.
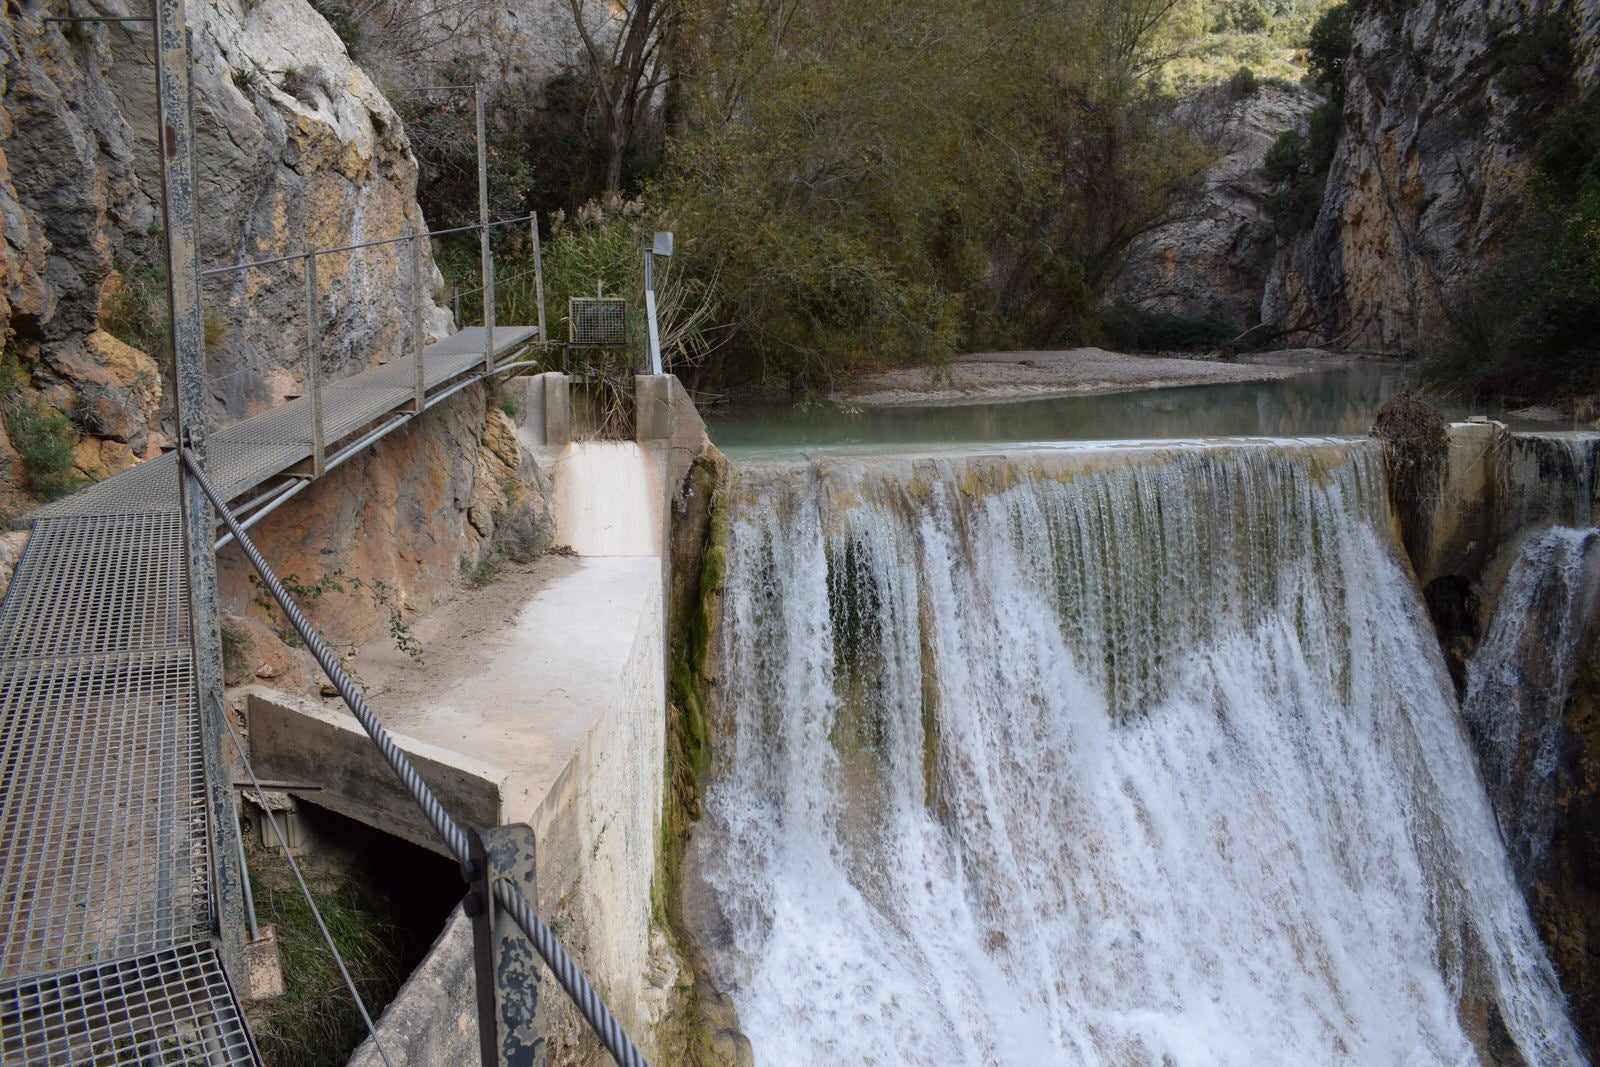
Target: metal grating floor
x,y
102,810
98,584
244,454
102,788
104,847
169,1007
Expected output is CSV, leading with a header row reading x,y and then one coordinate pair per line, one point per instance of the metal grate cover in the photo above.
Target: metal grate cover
x,y
97,584
597,322
169,1007
103,844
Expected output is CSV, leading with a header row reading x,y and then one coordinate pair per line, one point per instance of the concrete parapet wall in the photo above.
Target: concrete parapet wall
x,y
1464,525
596,823
298,739
559,721
1495,484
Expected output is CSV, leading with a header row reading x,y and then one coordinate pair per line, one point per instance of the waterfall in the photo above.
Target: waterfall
x,y
1100,755
1519,679
1550,478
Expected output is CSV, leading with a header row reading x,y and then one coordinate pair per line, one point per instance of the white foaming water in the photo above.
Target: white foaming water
x,y
1134,759
1519,679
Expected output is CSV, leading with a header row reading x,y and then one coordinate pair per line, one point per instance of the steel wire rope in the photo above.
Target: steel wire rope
x,y
572,979
228,268
498,282
305,890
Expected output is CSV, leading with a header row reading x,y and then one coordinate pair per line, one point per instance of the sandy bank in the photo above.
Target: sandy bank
x,y
995,377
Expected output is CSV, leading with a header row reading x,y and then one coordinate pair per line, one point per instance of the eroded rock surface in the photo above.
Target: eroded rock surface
x,y
1431,170
1211,259
392,533
296,148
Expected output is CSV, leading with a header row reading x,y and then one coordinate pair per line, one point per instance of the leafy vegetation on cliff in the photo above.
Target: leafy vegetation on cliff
x,y
1299,162
1524,330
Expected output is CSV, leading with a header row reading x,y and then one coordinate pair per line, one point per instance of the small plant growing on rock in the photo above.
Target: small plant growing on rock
x,y
1415,441
308,593
235,648
43,437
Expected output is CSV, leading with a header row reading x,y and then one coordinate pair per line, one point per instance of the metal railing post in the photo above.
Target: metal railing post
x,y
538,278
504,963
485,254
313,364
188,361
421,382
652,329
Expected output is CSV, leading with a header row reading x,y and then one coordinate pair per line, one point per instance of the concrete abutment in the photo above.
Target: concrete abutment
x,y
554,715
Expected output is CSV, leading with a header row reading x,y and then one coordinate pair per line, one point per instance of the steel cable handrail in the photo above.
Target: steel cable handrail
x,y
212,272
545,942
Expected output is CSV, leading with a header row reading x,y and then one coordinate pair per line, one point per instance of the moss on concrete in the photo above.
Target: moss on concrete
x,y
702,1029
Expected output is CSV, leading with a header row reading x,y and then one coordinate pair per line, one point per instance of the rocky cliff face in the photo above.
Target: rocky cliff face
x,y
1441,98
297,149
393,533
1210,260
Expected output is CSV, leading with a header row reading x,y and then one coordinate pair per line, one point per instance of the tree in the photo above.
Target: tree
x,y
944,172
1328,51
625,62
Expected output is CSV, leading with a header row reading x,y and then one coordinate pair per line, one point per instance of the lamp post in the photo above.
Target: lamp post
x,y
660,246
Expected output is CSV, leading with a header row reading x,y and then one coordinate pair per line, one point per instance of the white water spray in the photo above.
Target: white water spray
x,y
1102,757
1520,677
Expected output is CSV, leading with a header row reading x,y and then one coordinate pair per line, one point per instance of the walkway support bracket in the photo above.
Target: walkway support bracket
x,y
504,961
176,118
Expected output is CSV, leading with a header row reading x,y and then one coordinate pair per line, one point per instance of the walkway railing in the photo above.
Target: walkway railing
x,y
414,301
112,724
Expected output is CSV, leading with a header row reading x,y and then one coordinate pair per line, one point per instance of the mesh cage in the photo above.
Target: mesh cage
x,y
598,322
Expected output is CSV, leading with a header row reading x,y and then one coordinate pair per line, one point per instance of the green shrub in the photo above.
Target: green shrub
x,y
1328,52
1300,164
315,1022
44,438
1287,159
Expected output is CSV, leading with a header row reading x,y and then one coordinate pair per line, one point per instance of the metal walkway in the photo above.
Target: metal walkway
x,y
105,900
247,454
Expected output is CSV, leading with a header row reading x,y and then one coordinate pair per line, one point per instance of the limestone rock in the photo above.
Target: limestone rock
x,y
254,654
99,458
295,148
1211,259
11,548
418,510
1431,170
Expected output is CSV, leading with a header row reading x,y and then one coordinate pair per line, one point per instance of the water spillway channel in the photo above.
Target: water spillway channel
x,y
1102,754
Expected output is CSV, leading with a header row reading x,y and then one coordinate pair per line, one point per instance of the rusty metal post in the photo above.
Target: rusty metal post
x,y
420,398
538,278
506,967
176,119
485,253
313,363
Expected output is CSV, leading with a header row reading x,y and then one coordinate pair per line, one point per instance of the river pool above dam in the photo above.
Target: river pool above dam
x,y
1341,400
